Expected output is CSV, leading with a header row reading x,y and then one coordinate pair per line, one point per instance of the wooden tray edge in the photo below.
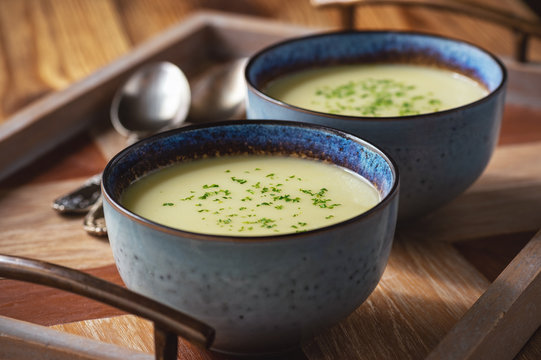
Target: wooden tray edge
x,y
47,122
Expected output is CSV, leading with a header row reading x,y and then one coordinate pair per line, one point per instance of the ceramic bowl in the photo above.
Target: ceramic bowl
x,y
261,294
439,154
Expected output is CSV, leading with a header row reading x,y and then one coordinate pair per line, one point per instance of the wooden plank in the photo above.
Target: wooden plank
x,y
404,318
46,123
57,117
77,158
503,319
387,15
25,341
520,125
127,331
64,41
505,200
524,83
397,295
425,289
59,239
492,254
136,334
47,306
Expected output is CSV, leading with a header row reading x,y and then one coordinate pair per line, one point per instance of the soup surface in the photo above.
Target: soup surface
x,y
250,195
376,90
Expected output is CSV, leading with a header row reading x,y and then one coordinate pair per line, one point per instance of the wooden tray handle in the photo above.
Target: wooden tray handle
x,y
168,322
523,28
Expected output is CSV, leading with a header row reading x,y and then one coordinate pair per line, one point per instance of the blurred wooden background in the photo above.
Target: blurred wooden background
x,y
45,45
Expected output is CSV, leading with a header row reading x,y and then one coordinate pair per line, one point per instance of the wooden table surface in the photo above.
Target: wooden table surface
x,y
47,45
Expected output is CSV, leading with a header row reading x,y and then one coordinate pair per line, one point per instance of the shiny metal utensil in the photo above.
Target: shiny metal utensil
x,y
94,221
155,98
220,93
81,199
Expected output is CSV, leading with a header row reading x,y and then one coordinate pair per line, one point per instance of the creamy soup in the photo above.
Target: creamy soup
x,y
250,195
376,90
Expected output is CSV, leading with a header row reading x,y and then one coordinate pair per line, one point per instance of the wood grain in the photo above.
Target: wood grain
x,y
127,331
45,306
136,334
67,40
515,120
25,341
194,45
434,19
76,158
404,318
67,244
64,41
509,186
505,200
429,283
492,254
381,329
504,317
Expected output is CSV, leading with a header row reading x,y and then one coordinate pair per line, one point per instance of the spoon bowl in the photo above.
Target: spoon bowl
x,y
220,93
155,98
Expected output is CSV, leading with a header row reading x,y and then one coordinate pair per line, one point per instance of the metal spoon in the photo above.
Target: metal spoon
x,y
218,95
155,98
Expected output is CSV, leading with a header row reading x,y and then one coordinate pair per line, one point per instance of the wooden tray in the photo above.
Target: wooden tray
x,y
425,297
195,44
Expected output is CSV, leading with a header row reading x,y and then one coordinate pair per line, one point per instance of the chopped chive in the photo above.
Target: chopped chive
x,y
210,186
240,181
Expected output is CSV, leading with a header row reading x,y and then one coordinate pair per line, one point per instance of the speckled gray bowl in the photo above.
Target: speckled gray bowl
x,y
261,294
439,154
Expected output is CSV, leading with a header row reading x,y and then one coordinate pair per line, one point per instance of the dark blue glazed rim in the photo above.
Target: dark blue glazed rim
x,y
275,137
354,47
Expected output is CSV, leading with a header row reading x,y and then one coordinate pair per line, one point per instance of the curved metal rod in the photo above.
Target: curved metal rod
x,y
167,321
524,27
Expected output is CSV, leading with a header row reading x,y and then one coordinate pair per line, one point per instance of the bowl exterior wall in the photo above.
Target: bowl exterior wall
x,y
260,296
439,155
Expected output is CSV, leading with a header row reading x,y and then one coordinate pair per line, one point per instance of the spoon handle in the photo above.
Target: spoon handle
x,y
81,199
168,322
94,222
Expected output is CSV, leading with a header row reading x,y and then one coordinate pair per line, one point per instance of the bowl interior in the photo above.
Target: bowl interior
x,y
354,47
249,137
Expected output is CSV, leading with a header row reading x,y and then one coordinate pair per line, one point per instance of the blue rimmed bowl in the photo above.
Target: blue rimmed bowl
x,y
439,154
261,294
